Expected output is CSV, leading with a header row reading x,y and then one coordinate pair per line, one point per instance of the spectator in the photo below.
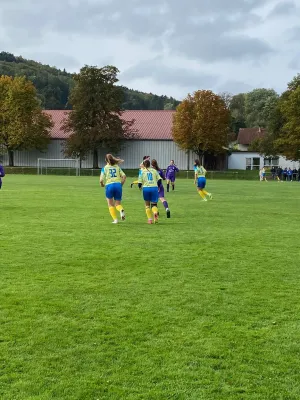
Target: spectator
x,y
279,174
2,174
289,175
295,174
273,172
285,174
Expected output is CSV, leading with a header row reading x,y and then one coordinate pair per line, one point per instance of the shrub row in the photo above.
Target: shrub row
x,y
132,173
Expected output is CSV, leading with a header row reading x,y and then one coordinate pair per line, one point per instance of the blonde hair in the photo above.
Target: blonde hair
x,y
111,160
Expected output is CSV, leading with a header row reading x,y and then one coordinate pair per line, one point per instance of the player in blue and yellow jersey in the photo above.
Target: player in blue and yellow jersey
x,y
150,180
113,178
141,167
200,180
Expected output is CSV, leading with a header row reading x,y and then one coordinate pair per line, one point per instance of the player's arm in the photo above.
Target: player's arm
x,y
196,177
123,177
140,180
158,179
102,178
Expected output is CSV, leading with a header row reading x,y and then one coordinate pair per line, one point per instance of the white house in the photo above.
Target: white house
x,y
242,158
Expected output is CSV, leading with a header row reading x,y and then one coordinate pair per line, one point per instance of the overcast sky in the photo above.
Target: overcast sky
x,y
170,47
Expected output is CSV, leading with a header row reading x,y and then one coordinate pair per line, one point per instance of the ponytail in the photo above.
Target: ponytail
x,y
111,160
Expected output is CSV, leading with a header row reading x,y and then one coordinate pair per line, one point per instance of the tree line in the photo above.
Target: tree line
x,y
205,122
54,86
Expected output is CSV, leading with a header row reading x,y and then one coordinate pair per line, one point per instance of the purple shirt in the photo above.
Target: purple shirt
x,y
2,174
161,174
171,170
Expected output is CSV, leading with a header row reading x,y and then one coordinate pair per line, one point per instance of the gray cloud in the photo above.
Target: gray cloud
x,y
55,59
231,40
295,63
198,30
293,34
223,47
234,87
169,75
283,9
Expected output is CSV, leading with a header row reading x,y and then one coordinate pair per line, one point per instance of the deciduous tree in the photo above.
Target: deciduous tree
x,y
201,123
23,125
96,119
259,105
237,110
288,140
283,135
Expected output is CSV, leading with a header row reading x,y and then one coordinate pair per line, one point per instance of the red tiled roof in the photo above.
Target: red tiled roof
x,y
247,135
150,124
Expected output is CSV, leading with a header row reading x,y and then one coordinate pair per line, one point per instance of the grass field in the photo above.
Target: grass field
x,y
202,306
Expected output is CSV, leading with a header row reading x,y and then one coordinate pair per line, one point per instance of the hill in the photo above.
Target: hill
x,y
53,86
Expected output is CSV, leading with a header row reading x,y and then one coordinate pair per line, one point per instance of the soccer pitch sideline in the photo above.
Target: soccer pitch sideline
x,y
204,305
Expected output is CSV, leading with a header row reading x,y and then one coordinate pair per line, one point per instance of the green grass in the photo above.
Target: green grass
x,y
202,306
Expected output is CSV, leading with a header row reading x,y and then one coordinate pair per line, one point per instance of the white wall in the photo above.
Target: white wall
x,y
284,163
237,160
132,152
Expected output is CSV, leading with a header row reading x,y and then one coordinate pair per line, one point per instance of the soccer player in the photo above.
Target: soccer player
x,y
2,175
113,178
141,166
150,180
161,190
200,180
262,174
171,174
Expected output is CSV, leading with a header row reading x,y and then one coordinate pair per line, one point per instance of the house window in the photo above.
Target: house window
x,y
253,163
271,162
248,163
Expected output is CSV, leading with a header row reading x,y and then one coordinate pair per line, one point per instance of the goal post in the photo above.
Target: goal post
x,y
58,166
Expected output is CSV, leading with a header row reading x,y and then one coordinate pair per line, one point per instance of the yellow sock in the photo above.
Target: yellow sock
x,y
149,213
205,192
113,213
154,210
202,194
119,207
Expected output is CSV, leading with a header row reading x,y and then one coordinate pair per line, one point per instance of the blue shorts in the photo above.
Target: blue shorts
x,y
150,194
201,183
114,191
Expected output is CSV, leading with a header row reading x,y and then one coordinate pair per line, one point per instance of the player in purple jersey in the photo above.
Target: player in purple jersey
x,y
161,190
171,174
2,174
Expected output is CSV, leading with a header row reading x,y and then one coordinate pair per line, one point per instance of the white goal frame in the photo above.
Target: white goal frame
x,y
68,163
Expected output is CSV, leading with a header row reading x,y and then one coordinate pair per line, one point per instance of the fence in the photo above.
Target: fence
x,y
133,173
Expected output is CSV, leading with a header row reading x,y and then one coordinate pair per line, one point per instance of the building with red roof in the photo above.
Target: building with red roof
x,y
154,138
154,129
